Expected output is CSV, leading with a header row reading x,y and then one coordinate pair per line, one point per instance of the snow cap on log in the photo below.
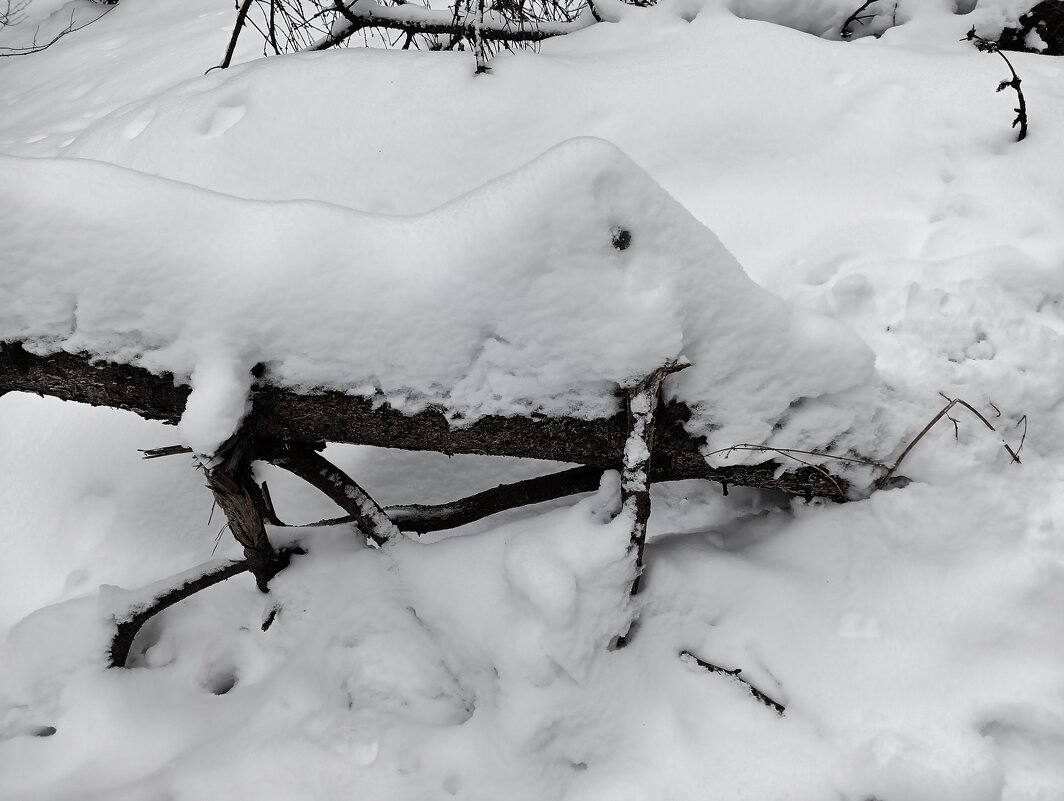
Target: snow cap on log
x,y
537,293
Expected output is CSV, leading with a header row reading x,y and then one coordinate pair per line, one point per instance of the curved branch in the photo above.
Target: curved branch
x,y
424,518
303,461
166,595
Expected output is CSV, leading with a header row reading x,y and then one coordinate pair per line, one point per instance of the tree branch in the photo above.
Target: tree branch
x,y
303,461
422,518
130,622
760,696
411,18
286,415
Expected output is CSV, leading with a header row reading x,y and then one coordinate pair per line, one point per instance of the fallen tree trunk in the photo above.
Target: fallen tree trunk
x,y
331,416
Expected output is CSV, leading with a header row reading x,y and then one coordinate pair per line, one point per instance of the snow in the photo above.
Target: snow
x,y
325,213
447,308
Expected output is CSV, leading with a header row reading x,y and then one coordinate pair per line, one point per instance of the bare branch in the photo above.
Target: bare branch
x,y
415,19
186,585
303,461
760,696
328,416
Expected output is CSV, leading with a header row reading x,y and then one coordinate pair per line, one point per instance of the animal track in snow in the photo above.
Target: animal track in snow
x,y
222,120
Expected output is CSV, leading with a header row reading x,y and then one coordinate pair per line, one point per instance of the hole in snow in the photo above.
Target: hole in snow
x,y
44,731
221,680
621,237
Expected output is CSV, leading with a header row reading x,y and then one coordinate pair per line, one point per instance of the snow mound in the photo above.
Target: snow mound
x,y
538,293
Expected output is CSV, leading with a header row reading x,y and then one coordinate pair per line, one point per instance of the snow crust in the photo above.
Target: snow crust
x,y
510,300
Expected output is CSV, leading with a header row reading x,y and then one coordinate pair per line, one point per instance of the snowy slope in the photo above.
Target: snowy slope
x,y
915,637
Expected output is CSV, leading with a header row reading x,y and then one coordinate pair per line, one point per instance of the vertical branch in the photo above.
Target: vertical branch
x,y
642,405
479,45
1021,109
231,481
990,46
241,18
272,30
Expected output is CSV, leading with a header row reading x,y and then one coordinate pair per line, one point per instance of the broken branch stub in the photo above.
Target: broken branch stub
x,y
230,480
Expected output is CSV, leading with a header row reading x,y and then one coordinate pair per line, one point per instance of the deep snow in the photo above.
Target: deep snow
x,y
915,636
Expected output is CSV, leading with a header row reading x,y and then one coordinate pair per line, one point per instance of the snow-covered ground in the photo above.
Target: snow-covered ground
x,y
873,185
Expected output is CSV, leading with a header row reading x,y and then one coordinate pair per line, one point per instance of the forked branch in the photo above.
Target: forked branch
x,y
944,412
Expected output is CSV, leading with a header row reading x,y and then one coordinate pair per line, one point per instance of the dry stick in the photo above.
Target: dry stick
x,y
241,17
943,412
131,623
1021,110
423,518
303,461
991,46
845,31
760,696
36,48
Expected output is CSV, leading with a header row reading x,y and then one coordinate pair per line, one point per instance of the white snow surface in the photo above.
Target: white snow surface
x,y
915,636
510,300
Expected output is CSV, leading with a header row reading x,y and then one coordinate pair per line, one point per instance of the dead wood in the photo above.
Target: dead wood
x,y
230,479
760,696
424,518
130,623
302,460
287,416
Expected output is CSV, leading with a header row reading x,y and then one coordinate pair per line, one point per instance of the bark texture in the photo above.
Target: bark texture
x,y
329,416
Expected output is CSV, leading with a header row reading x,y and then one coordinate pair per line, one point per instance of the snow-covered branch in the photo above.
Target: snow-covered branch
x,y
288,416
411,18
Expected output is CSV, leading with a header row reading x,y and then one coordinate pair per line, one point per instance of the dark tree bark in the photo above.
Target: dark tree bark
x,y
424,518
288,416
130,623
230,479
302,460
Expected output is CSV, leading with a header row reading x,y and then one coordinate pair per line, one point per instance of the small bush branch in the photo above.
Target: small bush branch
x,y
856,17
989,46
72,27
944,412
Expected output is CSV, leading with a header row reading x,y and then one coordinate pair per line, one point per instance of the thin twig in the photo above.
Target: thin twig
x,y
944,412
845,31
760,696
